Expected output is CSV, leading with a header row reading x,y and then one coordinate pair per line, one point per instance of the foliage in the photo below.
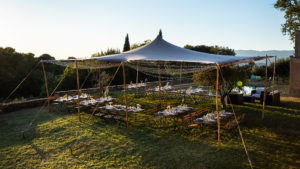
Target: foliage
x,y
52,81
160,33
14,67
71,57
109,51
228,79
232,74
212,49
292,16
126,44
137,45
282,68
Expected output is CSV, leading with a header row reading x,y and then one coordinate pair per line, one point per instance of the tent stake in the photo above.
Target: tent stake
x,y
217,108
78,100
274,71
265,88
46,85
125,96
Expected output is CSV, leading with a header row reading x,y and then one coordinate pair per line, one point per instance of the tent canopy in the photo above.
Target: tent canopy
x,y
160,50
157,52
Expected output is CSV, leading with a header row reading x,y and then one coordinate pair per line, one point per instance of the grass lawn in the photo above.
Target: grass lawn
x,y
272,143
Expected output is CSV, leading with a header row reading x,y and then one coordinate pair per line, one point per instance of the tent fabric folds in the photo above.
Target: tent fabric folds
x,y
158,51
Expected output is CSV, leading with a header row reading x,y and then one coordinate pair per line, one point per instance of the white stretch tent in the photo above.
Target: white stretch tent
x,y
160,50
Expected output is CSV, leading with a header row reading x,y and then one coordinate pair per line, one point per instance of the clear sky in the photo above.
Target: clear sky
x,y
80,28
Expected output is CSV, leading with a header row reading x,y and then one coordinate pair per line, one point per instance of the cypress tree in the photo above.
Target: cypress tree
x,y
160,33
126,44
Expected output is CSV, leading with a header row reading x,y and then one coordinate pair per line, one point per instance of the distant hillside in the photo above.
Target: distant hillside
x,y
278,53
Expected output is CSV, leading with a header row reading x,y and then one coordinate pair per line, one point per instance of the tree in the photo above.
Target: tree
x,y
126,44
212,49
232,75
14,66
137,45
72,57
160,33
292,16
45,57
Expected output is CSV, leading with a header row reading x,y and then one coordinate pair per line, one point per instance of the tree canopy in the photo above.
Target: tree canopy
x,y
231,74
126,44
292,16
160,33
109,51
211,49
137,45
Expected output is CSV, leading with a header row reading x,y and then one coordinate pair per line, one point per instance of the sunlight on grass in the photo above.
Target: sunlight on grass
x,y
272,142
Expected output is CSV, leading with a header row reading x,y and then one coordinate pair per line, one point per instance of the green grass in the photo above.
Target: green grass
x,y
272,143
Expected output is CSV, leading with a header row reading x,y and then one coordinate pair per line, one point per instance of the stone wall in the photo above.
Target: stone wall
x,y
10,107
294,77
295,69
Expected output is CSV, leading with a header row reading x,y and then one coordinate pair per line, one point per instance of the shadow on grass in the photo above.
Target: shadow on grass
x,y
20,127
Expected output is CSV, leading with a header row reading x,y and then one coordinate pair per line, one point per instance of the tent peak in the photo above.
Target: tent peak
x,y
160,33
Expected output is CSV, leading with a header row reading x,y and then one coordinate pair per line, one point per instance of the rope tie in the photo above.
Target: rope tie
x,y
16,88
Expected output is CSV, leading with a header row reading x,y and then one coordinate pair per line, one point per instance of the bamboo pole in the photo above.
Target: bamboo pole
x,y
217,108
159,82
137,74
265,88
125,96
180,78
273,79
100,83
46,85
78,105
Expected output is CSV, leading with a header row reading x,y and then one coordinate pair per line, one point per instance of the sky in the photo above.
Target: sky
x,y
79,28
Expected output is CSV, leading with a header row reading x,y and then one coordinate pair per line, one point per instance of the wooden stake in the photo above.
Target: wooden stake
x,y
217,109
125,96
180,78
274,72
46,85
265,88
78,105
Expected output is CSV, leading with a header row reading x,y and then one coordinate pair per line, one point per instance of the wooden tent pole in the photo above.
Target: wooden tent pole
x,y
265,88
46,85
125,96
159,82
100,83
137,74
180,78
274,72
78,99
217,108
